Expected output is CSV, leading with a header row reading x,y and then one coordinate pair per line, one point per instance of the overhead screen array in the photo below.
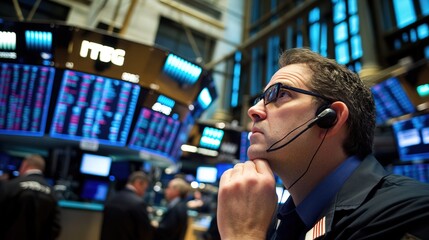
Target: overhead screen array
x,y
391,100
412,138
78,85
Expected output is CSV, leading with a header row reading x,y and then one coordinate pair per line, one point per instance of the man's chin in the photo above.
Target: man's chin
x,y
254,152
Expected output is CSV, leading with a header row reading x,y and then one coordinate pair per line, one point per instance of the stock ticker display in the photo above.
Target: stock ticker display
x,y
94,107
24,98
155,131
78,85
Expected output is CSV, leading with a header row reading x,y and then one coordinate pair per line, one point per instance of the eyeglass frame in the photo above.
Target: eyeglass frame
x,y
278,86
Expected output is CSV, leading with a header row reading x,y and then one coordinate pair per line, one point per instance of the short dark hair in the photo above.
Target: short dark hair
x,y
35,161
181,185
138,175
339,83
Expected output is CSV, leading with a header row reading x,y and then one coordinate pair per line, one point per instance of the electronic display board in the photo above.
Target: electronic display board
x,y
391,100
94,107
412,137
25,92
154,131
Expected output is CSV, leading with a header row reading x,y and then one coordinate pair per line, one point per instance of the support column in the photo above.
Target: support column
x,y
370,64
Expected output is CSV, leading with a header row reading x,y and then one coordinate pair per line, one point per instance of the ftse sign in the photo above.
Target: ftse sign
x,y
101,52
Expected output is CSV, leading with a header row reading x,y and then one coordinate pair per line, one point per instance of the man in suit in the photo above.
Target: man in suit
x,y
174,222
125,215
28,207
314,127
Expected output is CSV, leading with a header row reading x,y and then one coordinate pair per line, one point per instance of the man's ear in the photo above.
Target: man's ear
x,y
342,112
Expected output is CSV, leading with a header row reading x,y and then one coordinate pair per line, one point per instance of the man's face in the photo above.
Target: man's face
x,y
171,192
273,121
141,187
23,167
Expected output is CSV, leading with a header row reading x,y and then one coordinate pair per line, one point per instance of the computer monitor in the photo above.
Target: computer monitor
x,y
94,190
25,92
94,108
155,132
391,100
206,174
222,167
412,138
97,165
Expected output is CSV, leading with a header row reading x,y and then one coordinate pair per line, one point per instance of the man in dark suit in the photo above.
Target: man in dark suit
x,y
174,222
313,126
28,207
125,215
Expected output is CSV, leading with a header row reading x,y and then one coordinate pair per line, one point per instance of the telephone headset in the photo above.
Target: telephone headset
x,y
326,117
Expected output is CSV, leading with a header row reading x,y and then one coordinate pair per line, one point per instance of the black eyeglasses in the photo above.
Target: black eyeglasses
x,y
272,93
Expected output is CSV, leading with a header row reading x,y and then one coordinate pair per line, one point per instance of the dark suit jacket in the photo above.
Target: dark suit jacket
x,y
174,223
28,209
373,204
125,216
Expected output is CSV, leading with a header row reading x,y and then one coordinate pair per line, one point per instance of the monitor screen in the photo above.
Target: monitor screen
x,y
206,174
412,138
211,137
94,107
95,165
25,92
181,70
391,100
155,131
244,145
222,167
418,171
94,190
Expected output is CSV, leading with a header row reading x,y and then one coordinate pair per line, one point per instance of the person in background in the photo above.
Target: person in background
x,y
199,202
174,221
313,126
125,215
4,176
28,207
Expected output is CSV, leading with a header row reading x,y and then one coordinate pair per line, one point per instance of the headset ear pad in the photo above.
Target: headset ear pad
x,y
328,118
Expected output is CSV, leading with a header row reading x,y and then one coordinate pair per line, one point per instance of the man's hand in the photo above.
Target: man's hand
x,y
247,201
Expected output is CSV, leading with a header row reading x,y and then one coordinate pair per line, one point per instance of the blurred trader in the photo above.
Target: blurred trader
x,y
125,215
28,208
314,127
174,221
199,202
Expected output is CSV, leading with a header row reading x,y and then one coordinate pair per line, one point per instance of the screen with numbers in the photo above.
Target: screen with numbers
x,y
25,92
155,131
93,107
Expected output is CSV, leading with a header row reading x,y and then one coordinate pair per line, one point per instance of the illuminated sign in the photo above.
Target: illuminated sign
x,y
7,41
8,55
38,41
134,78
211,138
101,52
182,71
423,90
205,98
164,105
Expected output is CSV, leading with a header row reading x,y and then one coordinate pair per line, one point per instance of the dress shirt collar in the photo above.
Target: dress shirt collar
x,y
310,209
33,171
173,202
131,187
